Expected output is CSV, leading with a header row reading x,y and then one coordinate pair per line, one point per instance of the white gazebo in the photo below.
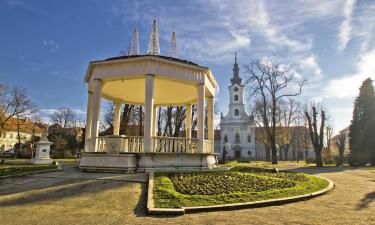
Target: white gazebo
x,y
152,81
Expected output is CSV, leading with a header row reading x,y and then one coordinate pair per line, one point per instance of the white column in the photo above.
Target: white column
x,y
154,123
88,121
116,121
95,114
149,108
188,121
200,112
210,121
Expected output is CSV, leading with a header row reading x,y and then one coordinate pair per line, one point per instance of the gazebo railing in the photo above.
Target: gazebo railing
x,y
159,144
175,144
126,144
134,143
101,144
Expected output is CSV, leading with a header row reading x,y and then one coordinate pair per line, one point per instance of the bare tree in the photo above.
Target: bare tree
x,y
316,134
65,117
269,83
126,117
14,103
289,112
341,146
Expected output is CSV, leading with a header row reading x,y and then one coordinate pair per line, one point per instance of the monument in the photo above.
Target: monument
x,y
43,148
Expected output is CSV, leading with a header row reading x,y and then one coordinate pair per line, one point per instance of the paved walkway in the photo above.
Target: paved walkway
x,y
72,197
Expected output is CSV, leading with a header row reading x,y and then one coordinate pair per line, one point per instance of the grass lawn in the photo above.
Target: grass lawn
x,y
17,166
12,170
240,184
263,164
280,164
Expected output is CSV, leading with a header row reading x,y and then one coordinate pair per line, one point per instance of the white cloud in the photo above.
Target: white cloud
x,y
311,66
345,30
51,44
347,86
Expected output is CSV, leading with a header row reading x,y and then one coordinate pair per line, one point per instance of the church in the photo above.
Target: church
x,y
237,128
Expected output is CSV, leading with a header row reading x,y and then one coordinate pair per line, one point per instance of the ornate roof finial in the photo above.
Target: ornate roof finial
x,y
173,52
153,44
236,77
134,45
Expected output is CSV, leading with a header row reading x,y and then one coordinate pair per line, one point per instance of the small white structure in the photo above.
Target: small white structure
x,y
43,148
152,81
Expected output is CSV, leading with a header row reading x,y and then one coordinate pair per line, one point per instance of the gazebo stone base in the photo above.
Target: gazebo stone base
x,y
108,162
141,162
176,161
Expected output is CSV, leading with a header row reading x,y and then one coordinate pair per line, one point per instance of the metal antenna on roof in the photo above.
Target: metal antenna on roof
x,y
173,51
134,45
153,44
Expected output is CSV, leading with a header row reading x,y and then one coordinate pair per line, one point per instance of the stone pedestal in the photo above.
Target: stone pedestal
x,y
42,151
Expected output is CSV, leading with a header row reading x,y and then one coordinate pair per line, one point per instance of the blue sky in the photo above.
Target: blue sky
x,y
45,46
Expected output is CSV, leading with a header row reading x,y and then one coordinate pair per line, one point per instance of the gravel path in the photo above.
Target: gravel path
x,y
72,197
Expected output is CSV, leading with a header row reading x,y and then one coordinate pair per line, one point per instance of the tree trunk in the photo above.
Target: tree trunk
x,y
273,151
286,153
318,156
268,152
140,121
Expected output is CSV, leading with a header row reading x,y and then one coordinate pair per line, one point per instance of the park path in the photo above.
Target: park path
x,y
89,198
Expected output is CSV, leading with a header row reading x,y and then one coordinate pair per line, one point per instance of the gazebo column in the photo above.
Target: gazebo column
x,y
188,121
95,114
88,121
149,112
210,121
200,112
116,121
154,121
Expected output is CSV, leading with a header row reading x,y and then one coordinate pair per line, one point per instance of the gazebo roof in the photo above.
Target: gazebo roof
x,y
158,56
175,79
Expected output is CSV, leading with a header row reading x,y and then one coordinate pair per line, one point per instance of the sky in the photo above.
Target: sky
x,y
45,46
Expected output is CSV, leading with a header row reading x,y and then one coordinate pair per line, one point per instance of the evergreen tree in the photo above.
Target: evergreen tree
x,y
362,128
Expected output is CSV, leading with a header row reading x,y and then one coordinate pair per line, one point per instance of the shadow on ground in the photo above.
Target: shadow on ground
x,y
366,200
64,191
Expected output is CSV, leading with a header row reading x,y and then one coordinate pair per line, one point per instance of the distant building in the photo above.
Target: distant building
x,y
243,141
300,145
9,135
237,128
334,148
76,132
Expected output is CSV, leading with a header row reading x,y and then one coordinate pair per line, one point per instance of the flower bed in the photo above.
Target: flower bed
x,y
240,184
224,183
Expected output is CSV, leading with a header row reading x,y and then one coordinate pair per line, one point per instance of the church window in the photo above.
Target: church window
x,y
236,112
249,138
237,138
236,98
235,89
225,138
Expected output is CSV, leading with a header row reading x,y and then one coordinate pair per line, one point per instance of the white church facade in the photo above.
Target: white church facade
x,y
237,128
